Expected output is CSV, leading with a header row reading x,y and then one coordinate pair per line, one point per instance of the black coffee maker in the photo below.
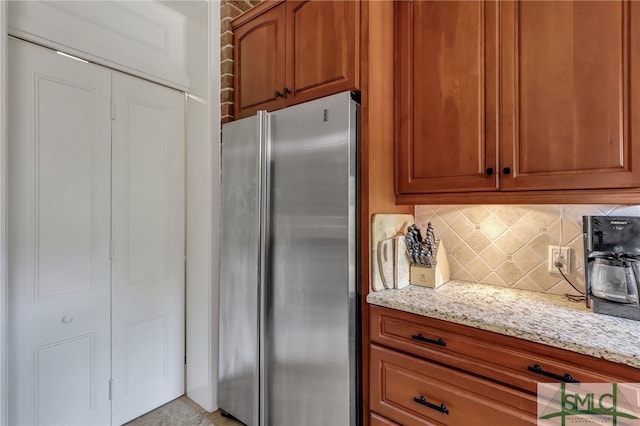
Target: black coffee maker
x,y
612,265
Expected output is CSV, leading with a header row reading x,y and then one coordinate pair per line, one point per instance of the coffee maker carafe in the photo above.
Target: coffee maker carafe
x,y
612,265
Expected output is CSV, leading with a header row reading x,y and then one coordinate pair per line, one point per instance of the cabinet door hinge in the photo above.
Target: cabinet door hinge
x,y
110,389
113,109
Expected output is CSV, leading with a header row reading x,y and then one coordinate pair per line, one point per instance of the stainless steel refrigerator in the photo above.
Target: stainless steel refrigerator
x,y
288,310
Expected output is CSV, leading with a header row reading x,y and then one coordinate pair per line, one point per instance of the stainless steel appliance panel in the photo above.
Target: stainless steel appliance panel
x,y
311,308
242,146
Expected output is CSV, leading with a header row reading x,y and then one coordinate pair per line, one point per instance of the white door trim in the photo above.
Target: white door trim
x,y
3,215
203,193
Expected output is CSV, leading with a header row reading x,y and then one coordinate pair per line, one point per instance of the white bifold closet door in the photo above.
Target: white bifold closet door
x,y
148,246
96,242
59,225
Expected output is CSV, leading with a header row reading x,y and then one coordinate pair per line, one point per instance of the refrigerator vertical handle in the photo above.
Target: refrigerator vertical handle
x,y
264,156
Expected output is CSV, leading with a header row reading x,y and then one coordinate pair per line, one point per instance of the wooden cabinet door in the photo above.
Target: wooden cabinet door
x,y
322,48
259,70
570,94
446,96
412,391
376,420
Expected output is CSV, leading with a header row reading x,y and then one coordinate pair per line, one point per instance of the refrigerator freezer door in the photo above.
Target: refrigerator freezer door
x,y
239,268
310,307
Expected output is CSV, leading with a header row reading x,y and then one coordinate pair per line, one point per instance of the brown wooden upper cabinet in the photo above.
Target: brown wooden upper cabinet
x,y
517,96
288,52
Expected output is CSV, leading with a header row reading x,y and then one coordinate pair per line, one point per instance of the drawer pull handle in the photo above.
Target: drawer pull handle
x,y
422,400
568,378
421,338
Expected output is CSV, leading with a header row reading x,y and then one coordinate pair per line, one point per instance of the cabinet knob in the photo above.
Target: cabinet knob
x,y
278,94
506,170
489,171
286,91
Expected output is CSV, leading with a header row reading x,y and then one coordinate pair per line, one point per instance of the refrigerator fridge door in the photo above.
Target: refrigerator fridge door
x,y
310,352
242,165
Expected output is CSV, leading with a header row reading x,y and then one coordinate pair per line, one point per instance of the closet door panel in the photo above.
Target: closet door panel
x,y
59,227
148,257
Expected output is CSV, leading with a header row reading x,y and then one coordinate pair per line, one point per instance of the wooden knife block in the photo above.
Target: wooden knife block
x,y
431,277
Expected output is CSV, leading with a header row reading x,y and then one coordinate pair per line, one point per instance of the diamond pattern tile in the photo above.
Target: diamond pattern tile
x,y
493,256
509,242
527,258
477,241
494,279
509,273
510,215
493,227
477,214
508,245
479,269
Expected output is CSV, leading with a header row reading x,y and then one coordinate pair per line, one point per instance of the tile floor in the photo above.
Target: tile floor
x,y
182,412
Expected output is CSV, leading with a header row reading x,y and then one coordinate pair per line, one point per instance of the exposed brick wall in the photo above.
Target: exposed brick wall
x,y
229,9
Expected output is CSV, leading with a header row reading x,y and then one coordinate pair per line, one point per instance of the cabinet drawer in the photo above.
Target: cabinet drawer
x,y
376,420
481,352
409,391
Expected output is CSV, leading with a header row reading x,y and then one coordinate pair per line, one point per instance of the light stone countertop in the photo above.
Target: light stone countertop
x,y
538,317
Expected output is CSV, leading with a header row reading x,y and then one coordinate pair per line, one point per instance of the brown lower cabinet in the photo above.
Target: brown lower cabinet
x,y
410,390
424,371
376,420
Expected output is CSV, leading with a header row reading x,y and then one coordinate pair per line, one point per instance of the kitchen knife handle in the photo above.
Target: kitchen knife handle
x,y
423,401
421,338
567,378
489,171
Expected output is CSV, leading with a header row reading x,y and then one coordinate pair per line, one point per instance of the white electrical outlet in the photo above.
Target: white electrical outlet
x,y
559,258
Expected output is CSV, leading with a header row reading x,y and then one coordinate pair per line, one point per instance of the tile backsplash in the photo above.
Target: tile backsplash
x,y
507,245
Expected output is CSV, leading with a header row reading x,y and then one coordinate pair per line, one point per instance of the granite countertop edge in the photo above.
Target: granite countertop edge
x,y
537,317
